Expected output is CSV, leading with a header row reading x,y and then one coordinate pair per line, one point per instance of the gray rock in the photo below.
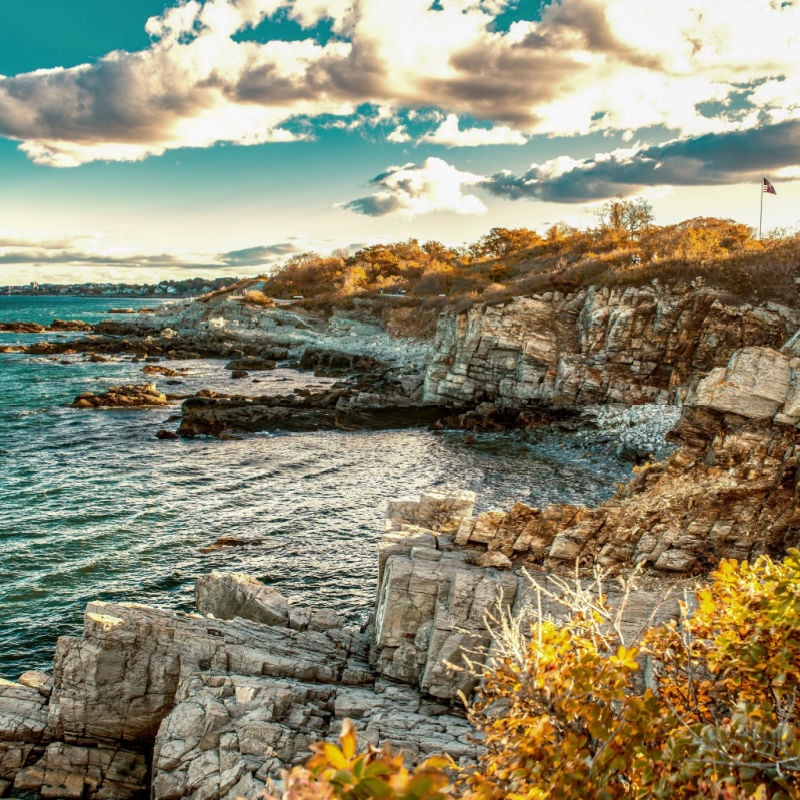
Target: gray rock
x,y
227,595
68,772
754,384
624,345
119,680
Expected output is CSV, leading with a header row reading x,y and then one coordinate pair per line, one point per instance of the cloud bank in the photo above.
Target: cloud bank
x,y
695,67
709,160
75,255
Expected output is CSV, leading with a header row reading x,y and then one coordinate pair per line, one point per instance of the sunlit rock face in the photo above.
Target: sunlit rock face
x,y
629,345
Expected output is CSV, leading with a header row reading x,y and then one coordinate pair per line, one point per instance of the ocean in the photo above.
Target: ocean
x,y
93,506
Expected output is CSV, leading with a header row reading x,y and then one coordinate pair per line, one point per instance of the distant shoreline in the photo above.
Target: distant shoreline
x,y
131,297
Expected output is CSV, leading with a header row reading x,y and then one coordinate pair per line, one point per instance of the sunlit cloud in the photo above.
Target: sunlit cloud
x,y
412,190
579,67
450,134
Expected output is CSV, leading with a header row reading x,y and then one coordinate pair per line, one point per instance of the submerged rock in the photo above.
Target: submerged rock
x,y
160,369
21,327
70,325
254,363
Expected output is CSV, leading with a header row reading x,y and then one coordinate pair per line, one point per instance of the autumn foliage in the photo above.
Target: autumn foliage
x,y
625,248
565,713
341,772
720,718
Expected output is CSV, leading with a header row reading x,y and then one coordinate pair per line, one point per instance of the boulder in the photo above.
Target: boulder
x,y
251,364
127,396
232,594
754,384
227,595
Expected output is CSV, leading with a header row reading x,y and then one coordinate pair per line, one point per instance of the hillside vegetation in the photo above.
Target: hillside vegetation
x,y
624,249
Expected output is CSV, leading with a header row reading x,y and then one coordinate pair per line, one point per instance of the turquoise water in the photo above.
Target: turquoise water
x,y
92,506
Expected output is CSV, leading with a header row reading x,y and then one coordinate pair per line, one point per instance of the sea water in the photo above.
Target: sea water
x,y
93,506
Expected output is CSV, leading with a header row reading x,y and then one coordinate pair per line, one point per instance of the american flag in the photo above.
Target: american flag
x,y
768,187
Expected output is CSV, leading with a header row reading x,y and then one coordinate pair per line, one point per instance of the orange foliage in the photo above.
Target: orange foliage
x,y
625,249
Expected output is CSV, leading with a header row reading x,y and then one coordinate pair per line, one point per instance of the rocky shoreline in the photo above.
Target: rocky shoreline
x,y
210,705
529,362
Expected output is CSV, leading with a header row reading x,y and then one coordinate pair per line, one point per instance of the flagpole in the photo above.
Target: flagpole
x,y
761,211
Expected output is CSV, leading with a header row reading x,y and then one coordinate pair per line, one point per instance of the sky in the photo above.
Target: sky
x,y
151,139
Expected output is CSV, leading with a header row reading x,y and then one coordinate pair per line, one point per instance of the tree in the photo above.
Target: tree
x,y
626,217
501,242
439,252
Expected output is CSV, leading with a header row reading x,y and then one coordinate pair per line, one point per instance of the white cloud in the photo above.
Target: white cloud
x,y
694,66
412,190
449,134
399,135
309,12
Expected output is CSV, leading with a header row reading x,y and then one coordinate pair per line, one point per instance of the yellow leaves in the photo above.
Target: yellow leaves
x,y
348,739
727,675
626,658
374,774
334,756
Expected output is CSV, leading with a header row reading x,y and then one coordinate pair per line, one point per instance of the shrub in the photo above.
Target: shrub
x,y
721,720
257,298
340,772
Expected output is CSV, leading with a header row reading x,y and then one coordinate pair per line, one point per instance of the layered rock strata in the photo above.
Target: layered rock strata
x,y
206,707
730,491
629,345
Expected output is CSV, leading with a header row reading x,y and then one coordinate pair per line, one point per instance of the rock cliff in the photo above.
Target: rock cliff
x,y
209,707
730,490
169,705
631,345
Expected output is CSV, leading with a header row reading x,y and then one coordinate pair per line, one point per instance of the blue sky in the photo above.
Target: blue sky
x,y
142,139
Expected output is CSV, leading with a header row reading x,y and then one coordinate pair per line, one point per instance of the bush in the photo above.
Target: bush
x,y
257,298
563,715
339,772
721,719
